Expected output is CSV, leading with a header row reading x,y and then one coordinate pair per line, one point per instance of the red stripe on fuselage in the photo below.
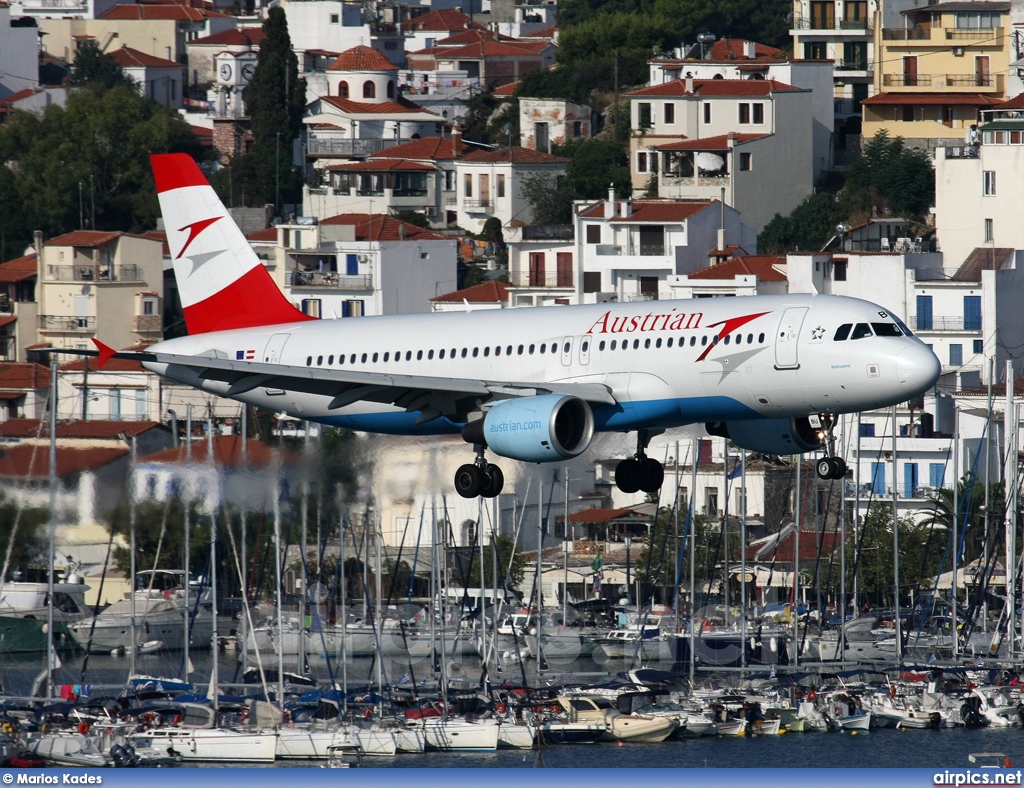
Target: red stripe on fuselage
x,y
175,171
251,300
730,325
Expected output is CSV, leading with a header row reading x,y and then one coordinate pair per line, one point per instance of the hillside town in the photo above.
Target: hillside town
x,y
722,140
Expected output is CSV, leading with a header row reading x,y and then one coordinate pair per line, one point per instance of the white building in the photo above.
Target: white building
x,y
353,265
731,58
19,55
751,139
737,276
547,122
156,78
336,26
490,183
979,196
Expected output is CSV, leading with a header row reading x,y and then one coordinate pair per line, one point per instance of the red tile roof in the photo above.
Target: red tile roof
x,y
547,32
18,269
719,142
733,48
763,266
22,375
506,90
83,238
232,37
383,108
127,57
478,33
484,49
270,234
654,210
227,450
717,87
946,99
514,155
362,58
84,430
28,460
17,96
442,20
597,516
383,165
1017,102
428,149
6,320
378,227
172,11
484,293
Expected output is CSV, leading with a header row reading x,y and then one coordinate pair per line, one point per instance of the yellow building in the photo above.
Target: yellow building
x,y
935,74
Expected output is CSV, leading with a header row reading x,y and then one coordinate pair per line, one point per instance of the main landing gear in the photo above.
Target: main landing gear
x,y
830,466
479,478
640,472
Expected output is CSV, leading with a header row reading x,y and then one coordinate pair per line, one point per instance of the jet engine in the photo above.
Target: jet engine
x,y
545,428
769,436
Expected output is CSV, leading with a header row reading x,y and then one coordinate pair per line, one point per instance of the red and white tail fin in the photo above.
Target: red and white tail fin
x,y
221,281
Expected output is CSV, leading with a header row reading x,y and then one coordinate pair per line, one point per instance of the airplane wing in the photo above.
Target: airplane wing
x,y
432,396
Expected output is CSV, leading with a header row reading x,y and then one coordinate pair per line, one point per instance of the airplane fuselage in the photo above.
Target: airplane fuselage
x,y
666,363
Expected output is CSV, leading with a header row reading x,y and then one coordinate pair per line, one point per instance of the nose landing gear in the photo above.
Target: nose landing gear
x,y
830,466
479,478
640,472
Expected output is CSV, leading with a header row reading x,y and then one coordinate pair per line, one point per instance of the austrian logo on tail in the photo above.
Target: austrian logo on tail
x,y
193,231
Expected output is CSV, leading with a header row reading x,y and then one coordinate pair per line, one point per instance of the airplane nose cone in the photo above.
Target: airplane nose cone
x,y
918,369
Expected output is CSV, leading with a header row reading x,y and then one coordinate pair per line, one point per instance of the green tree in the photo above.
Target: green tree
x,y
159,535
412,217
95,68
807,229
508,552
889,179
276,101
23,536
550,197
594,164
97,145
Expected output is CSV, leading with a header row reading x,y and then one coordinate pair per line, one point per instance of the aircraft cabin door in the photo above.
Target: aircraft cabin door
x,y
787,337
567,351
585,350
274,348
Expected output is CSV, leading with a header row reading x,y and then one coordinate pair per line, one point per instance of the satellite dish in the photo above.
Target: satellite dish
x,y
710,162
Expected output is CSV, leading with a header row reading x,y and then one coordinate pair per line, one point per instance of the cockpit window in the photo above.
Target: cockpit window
x,y
843,332
903,327
886,330
860,331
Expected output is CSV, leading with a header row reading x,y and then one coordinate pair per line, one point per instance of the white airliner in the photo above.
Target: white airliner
x,y
769,372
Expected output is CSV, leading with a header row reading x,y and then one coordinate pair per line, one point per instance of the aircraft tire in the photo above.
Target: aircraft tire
x,y
628,476
492,482
652,475
468,481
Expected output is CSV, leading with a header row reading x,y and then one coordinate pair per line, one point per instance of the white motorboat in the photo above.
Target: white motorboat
x,y
769,727
619,726
315,741
731,728
197,738
461,735
157,619
24,608
856,722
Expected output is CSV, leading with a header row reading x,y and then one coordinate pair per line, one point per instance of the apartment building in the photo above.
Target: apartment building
x,y
156,78
353,265
748,142
731,58
938,70
979,196
489,183
102,285
547,122
736,276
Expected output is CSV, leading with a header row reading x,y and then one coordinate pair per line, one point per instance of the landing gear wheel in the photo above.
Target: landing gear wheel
x,y
628,476
492,482
468,481
840,468
652,474
825,468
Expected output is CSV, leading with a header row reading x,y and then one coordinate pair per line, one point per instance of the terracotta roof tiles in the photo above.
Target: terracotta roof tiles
x,y
84,238
378,227
428,149
362,58
653,210
33,461
23,375
127,57
719,142
227,450
442,20
514,155
717,87
92,429
765,267
491,292
383,108
383,165
19,269
172,11
235,36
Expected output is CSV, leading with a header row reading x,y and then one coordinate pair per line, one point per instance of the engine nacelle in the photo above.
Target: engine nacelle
x,y
769,436
546,428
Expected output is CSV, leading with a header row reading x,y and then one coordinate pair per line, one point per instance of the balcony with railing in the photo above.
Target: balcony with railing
x,y
942,323
328,280
827,23
944,36
352,148
89,273
546,279
856,66
66,323
972,83
963,152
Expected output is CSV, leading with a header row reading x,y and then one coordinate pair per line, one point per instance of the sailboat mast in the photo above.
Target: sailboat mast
x,y
794,610
131,548
51,549
214,675
277,580
1011,509
693,560
187,505
896,546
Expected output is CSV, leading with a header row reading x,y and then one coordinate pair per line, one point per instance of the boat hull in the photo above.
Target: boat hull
x,y
212,744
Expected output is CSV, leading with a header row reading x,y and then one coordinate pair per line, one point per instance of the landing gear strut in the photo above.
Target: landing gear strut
x,y
830,466
640,472
479,478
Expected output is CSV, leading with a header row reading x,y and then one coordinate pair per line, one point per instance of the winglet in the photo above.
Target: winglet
x,y
106,352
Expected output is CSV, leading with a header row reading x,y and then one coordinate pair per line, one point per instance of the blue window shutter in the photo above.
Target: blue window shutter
x,y
351,265
936,474
972,313
956,355
924,313
867,430
909,478
878,478
345,309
